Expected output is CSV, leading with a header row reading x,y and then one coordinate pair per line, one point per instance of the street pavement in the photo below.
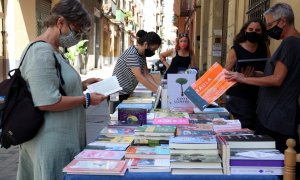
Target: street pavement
x,y
97,118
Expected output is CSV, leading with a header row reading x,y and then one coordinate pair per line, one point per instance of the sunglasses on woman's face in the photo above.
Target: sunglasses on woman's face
x,y
183,35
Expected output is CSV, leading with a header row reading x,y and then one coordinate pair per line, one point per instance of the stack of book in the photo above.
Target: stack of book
x,y
116,143
195,155
254,154
96,167
170,118
221,124
221,111
153,135
195,130
256,161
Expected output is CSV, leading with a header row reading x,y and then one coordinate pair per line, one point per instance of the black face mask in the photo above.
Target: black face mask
x,y
275,32
148,52
253,37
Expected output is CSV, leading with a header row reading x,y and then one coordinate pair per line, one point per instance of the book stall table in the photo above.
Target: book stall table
x,y
167,175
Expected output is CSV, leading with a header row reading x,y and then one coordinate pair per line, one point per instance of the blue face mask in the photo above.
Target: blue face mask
x,y
68,40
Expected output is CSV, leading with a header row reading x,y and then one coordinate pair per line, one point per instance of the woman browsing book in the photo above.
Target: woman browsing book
x,y
62,135
249,43
131,67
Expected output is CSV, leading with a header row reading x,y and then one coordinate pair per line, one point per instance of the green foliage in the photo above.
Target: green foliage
x,y
81,47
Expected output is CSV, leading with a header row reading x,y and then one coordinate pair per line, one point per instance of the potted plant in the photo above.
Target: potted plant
x,y
81,55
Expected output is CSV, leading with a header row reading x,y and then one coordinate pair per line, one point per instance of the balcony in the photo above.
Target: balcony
x,y
109,9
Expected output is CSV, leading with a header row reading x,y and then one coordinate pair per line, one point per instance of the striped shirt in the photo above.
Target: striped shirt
x,y
127,80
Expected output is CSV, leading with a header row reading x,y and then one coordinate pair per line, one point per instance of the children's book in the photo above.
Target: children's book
x,y
95,166
132,116
177,84
106,87
208,87
100,154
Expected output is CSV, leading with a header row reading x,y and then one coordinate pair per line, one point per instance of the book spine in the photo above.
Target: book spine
x,y
195,98
256,171
267,163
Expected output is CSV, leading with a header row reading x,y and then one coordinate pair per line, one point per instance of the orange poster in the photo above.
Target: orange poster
x,y
208,87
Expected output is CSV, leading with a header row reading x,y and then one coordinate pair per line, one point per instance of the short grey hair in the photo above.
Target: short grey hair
x,y
279,10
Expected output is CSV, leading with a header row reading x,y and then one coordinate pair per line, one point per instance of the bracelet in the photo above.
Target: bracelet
x,y
87,100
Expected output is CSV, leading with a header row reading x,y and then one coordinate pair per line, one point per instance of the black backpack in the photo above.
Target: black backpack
x,y
19,119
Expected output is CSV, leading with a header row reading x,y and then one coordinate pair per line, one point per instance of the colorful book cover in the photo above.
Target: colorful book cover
x,y
155,129
114,139
107,146
94,165
208,87
232,132
150,163
171,118
194,130
194,140
100,154
147,106
132,116
177,84
118,131
161,151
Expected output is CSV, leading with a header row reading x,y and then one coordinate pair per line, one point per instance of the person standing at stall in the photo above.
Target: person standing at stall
x,y
182,56
249,43
131,67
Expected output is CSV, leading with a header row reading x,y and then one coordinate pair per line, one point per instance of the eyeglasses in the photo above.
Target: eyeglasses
x,y
183,35
271,23
78,34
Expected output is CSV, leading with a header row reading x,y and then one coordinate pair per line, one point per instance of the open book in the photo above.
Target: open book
x,y
106,87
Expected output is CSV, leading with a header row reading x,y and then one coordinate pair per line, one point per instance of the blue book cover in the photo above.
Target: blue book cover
x,y
147,106
194,139
195,98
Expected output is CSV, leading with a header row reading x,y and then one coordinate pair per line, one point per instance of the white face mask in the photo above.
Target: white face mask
x,y
68,40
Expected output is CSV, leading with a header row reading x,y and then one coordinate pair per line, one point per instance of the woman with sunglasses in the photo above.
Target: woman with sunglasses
x,y
63,134
249,43
182,56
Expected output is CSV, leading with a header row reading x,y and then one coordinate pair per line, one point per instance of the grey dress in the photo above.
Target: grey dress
x,y
63,134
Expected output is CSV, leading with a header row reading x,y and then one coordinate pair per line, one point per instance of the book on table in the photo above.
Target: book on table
x,y
195,160
155,130
256,157
132,116
193,142
194,171
118,131
135,105
212,152
96,166
114,139
106,87
177,84
221,111
221,124
246,170
107,146
195,130
147,152
100,154
233,132
149,165
224,152
209,87
171,118
250,141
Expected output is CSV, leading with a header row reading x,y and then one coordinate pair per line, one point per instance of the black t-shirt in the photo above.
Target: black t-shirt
x,y
278,107
177,63
243,90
